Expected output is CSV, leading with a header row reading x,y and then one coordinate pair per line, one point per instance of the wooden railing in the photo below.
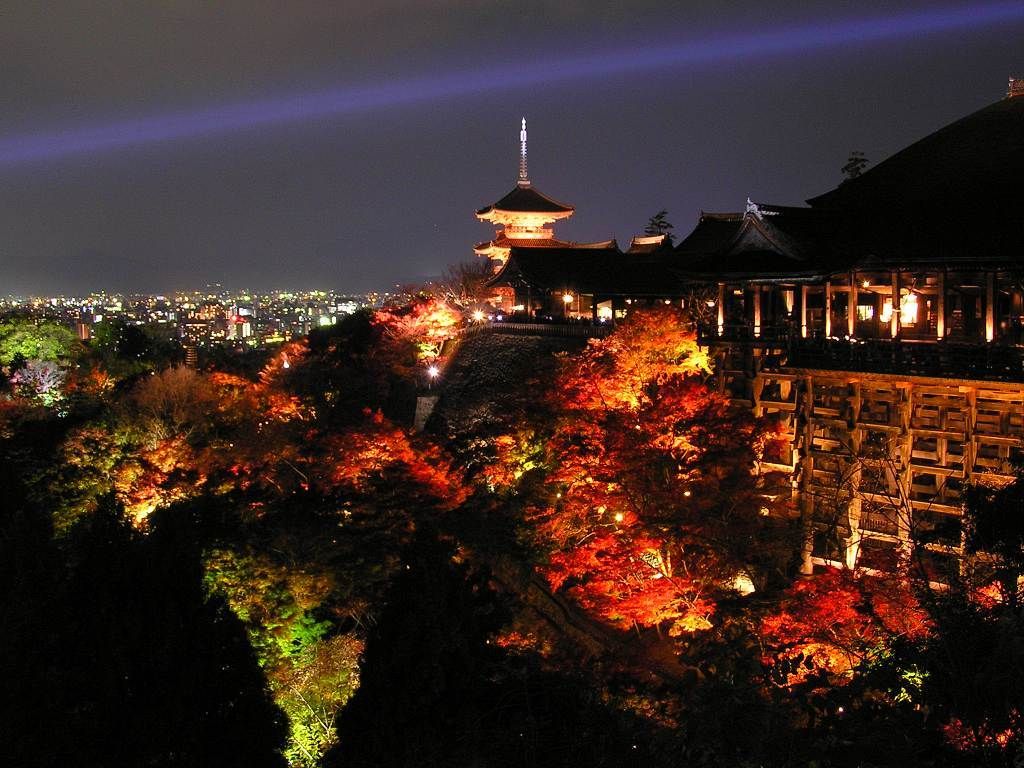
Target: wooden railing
x,y
943,359
920,358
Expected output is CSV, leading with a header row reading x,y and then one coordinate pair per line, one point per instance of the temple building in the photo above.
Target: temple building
x,y
881,327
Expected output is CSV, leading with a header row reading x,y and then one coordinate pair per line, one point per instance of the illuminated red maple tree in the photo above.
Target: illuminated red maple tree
x,y
837,620
427,324
652,502
378,452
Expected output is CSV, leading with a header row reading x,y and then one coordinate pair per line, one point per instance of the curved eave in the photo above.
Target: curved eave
x,y
486,214
526,199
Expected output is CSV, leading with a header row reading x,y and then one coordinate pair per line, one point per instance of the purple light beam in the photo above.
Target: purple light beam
x,y
356,99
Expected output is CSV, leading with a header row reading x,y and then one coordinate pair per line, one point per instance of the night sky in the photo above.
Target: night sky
x,y
346,145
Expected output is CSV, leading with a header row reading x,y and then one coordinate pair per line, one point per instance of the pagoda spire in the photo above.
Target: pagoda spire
x,y
524,178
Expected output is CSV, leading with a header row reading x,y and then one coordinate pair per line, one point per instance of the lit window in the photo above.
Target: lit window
x,y
908,309
886,314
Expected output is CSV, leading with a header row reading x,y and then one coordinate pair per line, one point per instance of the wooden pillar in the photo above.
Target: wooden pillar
x,y
940,320
757,310
851,307
855,507
894,320
828,308
990,306
803,311
805,409
904,476
593,309
721,309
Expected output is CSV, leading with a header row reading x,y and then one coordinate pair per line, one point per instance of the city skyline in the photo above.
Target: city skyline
x,y
365,199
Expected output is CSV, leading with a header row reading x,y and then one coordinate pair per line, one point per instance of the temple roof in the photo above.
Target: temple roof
x,y
525,199
954,197
649,243
766,241
975,163
605,271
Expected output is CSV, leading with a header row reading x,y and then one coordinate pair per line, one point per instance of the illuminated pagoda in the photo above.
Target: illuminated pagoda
x,y
523,219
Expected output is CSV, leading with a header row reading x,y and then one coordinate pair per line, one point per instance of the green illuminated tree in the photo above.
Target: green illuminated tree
x,y
22,340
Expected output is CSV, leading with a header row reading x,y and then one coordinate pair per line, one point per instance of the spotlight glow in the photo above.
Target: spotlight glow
x,y
357,99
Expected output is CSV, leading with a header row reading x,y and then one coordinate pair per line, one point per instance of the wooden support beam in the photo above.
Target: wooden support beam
x,y
806,463
803,311
757,310
940,320
904,443
828,308
894,320
721,308
851,307
990,306
854,509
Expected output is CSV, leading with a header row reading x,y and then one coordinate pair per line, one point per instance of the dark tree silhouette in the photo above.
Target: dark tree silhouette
x,y
659,224
996,527
111,656
855,165
435,692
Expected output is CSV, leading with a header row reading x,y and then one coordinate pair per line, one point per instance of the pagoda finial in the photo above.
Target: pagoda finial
x,y
524,178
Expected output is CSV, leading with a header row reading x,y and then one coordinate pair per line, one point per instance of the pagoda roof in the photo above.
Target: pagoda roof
x,y
501,241
525,199
605,271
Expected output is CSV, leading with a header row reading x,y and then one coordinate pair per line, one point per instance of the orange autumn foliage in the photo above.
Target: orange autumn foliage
x,y
651,491
650,346
377,451
835,621
626,581
983,738
514,456
158,475
427,324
